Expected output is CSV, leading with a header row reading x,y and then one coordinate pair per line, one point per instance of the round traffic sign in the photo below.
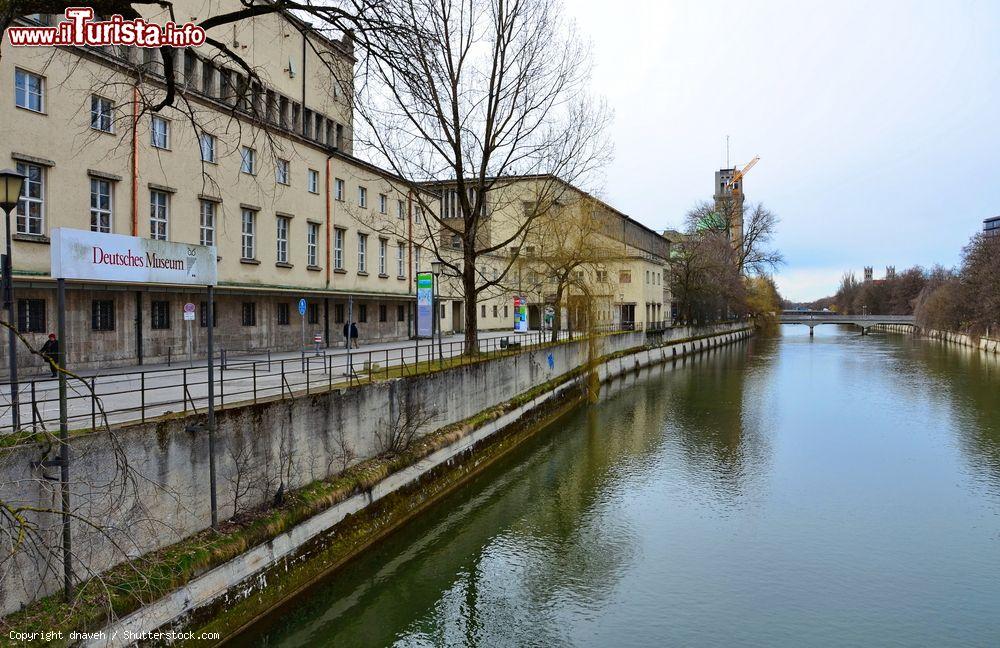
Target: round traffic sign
x,y
189,307
302,307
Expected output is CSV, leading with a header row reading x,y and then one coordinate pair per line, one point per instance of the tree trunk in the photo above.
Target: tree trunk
x,y
469,290
557,316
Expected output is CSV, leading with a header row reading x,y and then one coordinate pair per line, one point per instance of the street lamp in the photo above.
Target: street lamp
x,y
11,184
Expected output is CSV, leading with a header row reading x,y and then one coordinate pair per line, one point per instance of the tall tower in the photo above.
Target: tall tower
x,y
869,273
729,201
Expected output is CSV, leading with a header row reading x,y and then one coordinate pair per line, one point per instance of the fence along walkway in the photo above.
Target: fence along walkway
x,y
134,395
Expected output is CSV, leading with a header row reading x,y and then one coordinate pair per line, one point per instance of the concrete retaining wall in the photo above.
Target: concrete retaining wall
x,y
163,495
987,344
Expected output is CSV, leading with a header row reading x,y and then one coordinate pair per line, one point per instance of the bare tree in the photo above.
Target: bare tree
x,y
750,229
470,98
396,433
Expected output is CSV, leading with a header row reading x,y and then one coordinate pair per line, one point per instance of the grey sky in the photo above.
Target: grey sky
x,y
877,123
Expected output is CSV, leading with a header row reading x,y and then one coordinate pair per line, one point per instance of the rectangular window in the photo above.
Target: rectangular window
x,y
101,115
362,197
312,244
207,143
159,215
505,311
383,253
338,248
281,173
313,181
31,315
400,210
29,90
338,189
249,314
203,315
494,310
416,259
442,311
418,214
312,314
400,313
159,315
248,160
383,203
482,311
363,313
383,315
362,252
281,237
31,206
283,313
248,247
100,205
160,133
102,315
400,260
338,313
625,276
602,276
206,233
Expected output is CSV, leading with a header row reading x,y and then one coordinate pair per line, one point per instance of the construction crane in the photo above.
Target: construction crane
x,y
739,174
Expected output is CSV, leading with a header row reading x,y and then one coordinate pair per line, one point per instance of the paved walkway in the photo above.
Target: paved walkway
x,y
136,392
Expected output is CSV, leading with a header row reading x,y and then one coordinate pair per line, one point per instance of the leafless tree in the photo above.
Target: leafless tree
x,y
397,432
749,227
474,96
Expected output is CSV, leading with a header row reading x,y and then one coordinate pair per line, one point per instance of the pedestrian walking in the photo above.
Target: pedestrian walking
x,y
354,334
50,351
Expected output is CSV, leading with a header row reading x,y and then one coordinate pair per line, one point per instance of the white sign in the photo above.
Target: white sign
x,y
79,254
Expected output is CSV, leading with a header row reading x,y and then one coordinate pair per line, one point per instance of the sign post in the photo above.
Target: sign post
x,y
95,256
302,317
188,318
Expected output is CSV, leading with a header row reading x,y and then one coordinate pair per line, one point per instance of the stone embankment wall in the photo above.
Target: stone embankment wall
x,y
148,484
988,344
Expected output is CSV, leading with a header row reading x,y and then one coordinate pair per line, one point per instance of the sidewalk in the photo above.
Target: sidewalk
x,y
138,392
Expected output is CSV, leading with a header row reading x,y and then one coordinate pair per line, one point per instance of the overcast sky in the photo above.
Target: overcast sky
x,y
877,123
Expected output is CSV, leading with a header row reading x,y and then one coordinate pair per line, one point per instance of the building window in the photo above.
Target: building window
x,y
602,276
362,252
383,253
283,313
482,311
249,314
400,210
494,310
625,276
248,160
383,315
505,311
338,189
416,259
160,133
203,315
418,214
338,313
159,315
312,244
100,205
101,115
362,197
383,203
647,276
442,311
363,313
248,240
400,260
456,241
29,90
31,315
31,206
281,236
207,143
338,248
281,172
313,181
206,234
159,215
312,313
102,315
400,313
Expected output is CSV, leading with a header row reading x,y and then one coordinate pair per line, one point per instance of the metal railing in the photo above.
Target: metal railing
x,y
135,395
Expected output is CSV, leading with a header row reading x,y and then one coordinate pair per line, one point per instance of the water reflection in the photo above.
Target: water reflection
x,y
785,491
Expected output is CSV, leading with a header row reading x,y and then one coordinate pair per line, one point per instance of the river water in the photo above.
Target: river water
x,y
786,491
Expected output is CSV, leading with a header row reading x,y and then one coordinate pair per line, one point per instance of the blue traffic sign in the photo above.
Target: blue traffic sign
x,y
302,307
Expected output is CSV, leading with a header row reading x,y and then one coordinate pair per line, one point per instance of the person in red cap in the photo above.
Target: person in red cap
x,y
50,351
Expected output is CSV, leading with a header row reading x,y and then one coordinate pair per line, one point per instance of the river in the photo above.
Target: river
x,y
787,491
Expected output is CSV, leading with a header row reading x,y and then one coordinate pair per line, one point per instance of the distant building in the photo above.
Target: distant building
x,y
869,273
890,272
991,226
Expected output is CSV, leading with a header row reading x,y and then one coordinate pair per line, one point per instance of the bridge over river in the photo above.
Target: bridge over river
x,y
813,319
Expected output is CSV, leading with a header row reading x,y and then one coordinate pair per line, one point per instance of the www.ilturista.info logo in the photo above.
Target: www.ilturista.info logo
x,y
80,28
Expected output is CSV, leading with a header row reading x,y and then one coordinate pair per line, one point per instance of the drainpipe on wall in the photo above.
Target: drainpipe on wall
x,y
135,160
